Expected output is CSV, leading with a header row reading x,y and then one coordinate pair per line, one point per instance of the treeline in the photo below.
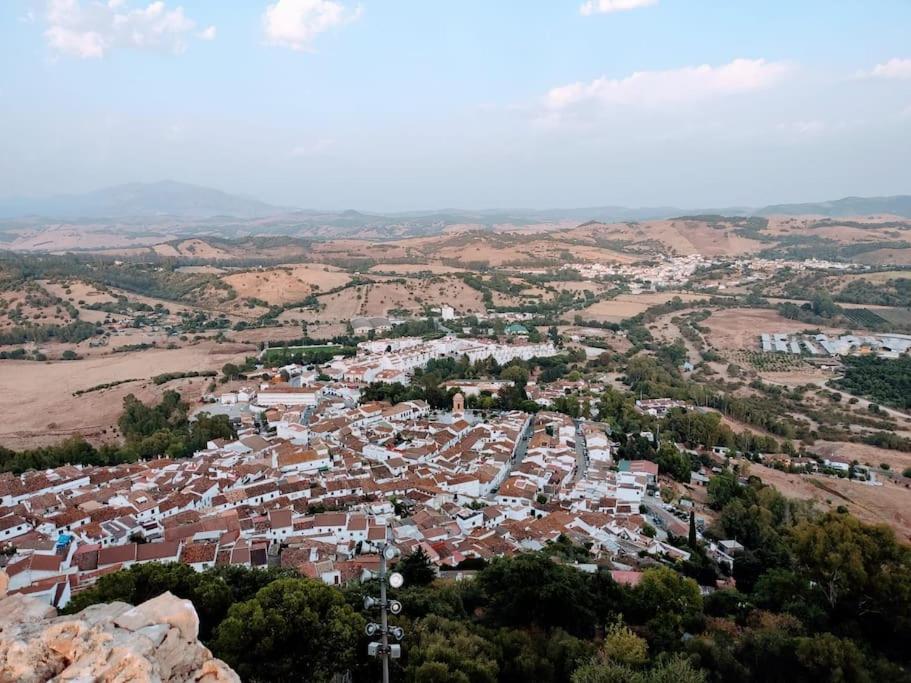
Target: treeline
x,y
149,431
818,598
71,333
160,280
426,382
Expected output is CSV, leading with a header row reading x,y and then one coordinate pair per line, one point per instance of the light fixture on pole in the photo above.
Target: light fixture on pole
x,y
383,648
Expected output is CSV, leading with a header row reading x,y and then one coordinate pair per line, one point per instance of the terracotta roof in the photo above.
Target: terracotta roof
x,y
193,553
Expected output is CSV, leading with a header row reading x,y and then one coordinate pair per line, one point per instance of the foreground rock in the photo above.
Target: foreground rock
x,y
154,641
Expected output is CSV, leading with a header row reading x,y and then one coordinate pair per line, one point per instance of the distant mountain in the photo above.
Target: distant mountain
x,y
193,203
899,205
165,198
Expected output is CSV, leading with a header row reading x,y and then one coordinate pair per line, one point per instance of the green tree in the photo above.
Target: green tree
x,y
444,651
676,669
532,589
722,489
516,374
622,646
417,569
290,628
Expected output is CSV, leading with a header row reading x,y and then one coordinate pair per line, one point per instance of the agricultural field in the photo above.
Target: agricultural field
x,y
628,305
286,284
769,362
734,329
45,409
865,317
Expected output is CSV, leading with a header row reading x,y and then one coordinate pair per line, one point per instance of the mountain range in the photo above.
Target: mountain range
x,y
170,199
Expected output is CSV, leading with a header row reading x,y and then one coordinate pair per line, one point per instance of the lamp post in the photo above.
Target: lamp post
x,y
382,648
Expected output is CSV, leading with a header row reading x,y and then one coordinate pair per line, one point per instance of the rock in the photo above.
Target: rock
x,y
19,609
165,609
154,642
216,671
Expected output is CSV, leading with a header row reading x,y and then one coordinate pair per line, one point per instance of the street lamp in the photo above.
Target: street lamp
x,y
382,648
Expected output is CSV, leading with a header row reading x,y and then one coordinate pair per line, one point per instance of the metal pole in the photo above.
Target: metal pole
x,y
383,617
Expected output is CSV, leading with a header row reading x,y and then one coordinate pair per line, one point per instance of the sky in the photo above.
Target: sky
x,y
391,105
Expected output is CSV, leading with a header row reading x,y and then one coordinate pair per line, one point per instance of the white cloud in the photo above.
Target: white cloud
x,y
894,68
590,7
314,148
296,23
807,128
94,28
671,86
207,33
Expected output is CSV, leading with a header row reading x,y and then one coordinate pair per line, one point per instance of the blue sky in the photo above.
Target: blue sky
x,y
406,104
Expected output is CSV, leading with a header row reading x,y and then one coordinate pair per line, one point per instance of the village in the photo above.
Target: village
x,y
318,479
676,271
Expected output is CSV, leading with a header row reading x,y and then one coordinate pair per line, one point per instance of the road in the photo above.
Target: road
x,y
581,452
656,509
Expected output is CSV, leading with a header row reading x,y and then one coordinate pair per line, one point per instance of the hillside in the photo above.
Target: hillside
x,y
899,205
165,198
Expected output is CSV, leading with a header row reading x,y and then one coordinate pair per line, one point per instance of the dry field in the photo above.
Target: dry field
x,y
739,328
286,284
628,305
205,270
864,454
885,257
44,409
877,278
29,304
379,298
698,237
193,248
888,504
68,237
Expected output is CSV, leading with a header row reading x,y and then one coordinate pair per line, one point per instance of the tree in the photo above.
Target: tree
x,y
824,306
850,560
230,371
417,569
622,646
533,589
674,463
691,539
290,628
722,489
445,651
668,604
676,669
515,374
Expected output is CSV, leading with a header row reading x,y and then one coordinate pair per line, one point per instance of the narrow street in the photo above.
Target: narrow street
x,y
581,453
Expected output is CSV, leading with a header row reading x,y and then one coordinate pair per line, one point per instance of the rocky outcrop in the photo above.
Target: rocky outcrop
x,y
116,642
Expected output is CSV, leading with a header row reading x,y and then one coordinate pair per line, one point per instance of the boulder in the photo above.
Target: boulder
x,y
165,609
155,642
